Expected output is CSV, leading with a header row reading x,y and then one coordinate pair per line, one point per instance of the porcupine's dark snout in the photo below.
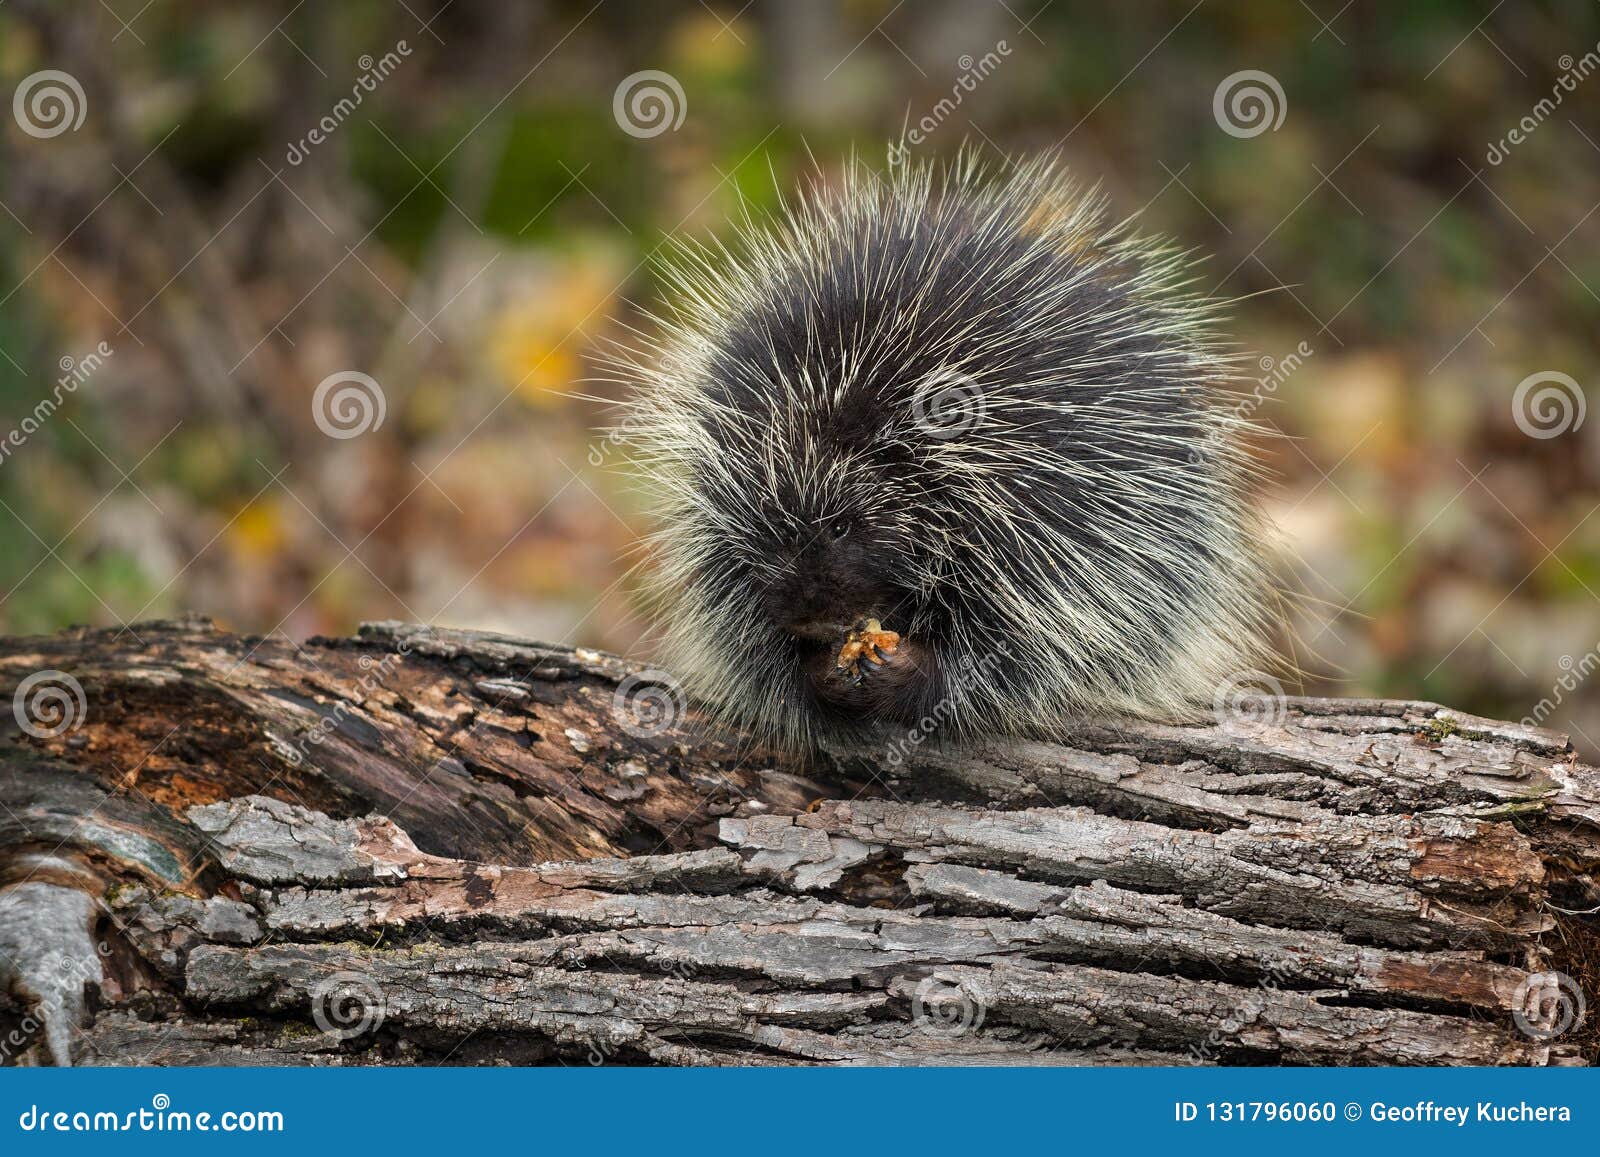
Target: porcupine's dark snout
x,y
814,616
817,605
822,592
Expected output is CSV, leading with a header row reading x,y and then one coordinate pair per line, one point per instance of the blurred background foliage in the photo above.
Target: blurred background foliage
x,y
472,231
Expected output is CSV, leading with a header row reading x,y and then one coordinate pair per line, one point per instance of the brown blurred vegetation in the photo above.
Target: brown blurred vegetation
x,y
471,232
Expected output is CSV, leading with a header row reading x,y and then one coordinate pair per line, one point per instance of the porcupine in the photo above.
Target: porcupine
x,y
948,447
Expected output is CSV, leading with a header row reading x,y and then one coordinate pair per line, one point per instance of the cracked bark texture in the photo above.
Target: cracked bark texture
x,y
432,846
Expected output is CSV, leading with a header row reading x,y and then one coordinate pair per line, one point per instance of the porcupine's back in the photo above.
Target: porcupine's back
x,y
1017,402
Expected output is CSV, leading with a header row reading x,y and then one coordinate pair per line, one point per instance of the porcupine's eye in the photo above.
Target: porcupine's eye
x,y
838,528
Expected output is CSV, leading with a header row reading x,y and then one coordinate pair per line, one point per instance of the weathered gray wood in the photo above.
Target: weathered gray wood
x,y
429,846
1371,877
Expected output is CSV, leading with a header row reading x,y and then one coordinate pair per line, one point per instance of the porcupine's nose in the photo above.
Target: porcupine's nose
x,y
820,597
815,630
801,611
808,612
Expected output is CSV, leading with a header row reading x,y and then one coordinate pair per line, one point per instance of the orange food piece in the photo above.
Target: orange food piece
x,y
860,643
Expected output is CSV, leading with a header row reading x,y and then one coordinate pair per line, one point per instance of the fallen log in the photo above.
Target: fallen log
x,y
432,846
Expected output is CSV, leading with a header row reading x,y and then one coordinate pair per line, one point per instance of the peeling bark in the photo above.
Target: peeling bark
x,y
433,846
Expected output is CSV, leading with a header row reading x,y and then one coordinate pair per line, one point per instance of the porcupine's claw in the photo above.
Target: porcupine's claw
x,y
867,643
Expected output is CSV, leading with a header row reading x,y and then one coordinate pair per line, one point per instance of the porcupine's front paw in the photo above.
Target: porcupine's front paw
x,y
872,673
866,648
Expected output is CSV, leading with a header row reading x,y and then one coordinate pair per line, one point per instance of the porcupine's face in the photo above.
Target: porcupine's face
x,y
976,411
816,530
